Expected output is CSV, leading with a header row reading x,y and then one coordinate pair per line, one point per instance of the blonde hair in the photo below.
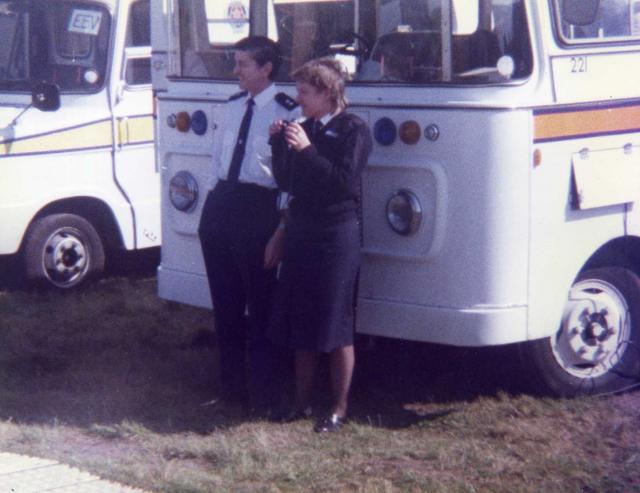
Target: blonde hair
x,y
325,74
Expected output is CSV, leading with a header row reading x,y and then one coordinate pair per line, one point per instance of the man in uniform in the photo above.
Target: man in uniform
x,y
239,230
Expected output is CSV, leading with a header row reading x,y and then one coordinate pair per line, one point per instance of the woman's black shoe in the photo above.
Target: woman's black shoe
x,y
330,424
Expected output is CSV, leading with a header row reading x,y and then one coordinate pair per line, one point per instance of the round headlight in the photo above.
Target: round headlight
x,y
404,212
183,191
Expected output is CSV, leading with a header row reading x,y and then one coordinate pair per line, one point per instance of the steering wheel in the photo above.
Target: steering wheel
x,y
349,48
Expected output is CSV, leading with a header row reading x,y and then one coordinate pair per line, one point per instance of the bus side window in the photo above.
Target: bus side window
x,y
613,19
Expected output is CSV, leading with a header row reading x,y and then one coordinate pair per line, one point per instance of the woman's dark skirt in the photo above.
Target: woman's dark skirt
x,y
314,305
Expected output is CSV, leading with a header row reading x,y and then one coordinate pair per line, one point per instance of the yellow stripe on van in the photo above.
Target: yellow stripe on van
x,y
135,130
96,134
562,124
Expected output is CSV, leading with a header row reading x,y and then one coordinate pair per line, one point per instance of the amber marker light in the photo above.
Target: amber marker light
x,y
183,121
537,158
409,132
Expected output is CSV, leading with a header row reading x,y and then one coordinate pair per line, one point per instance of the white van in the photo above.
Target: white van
x,y
78,178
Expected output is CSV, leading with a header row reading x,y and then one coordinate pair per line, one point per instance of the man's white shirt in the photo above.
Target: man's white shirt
x,y
256,164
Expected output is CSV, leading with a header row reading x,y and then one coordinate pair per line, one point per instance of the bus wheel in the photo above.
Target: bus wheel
x,y
62,251
596,348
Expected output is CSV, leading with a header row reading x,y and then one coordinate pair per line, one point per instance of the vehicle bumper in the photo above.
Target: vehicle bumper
x,y
183,287
475,326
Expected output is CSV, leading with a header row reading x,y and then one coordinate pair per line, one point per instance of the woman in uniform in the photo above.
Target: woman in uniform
x,y
319,163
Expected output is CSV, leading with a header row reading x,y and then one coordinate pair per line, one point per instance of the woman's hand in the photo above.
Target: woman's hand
x,y
274,249
296,137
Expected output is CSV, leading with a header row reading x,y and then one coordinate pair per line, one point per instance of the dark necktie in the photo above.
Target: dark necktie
x,y
315,127
241,143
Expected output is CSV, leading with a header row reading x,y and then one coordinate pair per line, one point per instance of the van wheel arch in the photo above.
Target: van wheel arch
x,y
93,210
619,252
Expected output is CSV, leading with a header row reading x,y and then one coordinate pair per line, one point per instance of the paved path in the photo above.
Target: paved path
x,y
22,474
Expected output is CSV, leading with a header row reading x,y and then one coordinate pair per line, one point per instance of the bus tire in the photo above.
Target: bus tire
x,y
596,350
62,251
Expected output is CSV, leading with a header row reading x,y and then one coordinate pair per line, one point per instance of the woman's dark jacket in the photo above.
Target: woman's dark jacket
x,y
324,178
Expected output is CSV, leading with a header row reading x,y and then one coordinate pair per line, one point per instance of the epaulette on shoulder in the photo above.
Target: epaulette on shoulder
x,y
285,100
237,95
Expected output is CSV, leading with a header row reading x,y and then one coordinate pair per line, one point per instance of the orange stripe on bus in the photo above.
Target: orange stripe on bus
x,y
576,123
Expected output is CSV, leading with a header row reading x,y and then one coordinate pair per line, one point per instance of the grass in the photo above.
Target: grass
x,y
113,380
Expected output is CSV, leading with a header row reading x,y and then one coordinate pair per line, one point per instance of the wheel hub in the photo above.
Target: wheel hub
x,y
65,257
594,326
597,329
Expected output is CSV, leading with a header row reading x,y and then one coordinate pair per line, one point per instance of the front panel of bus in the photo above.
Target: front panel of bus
x,y
445,200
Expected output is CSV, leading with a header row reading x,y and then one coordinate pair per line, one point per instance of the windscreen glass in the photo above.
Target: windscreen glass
x,y
379,41
65,43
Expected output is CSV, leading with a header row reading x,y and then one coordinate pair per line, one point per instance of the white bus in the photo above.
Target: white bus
x,y
78,179
500,203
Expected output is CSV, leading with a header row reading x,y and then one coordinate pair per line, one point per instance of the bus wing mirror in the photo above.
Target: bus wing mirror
x,y
45,96
580,12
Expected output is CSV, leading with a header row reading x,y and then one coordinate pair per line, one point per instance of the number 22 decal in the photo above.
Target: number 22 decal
x,y
578,64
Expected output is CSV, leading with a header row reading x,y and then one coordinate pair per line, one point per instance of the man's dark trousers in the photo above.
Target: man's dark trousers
x,y
236,223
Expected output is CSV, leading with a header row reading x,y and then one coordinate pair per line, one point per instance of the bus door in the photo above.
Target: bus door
x,y
135,168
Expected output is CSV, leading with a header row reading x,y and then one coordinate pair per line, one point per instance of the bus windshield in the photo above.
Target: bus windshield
x,y
66,45
380,41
